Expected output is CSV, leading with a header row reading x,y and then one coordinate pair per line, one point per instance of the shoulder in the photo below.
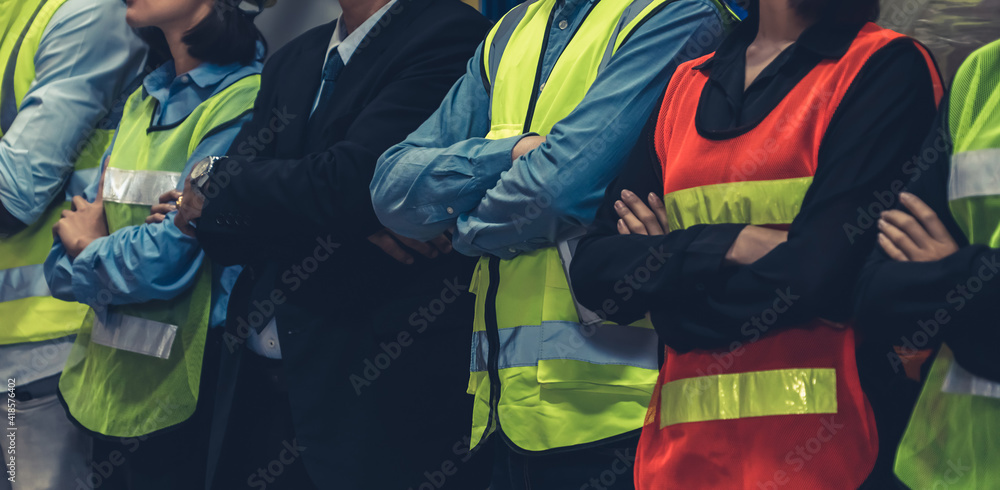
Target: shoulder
x,y
317,35
441,16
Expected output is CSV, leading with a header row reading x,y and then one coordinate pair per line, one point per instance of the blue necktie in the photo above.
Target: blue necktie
x,y
331,70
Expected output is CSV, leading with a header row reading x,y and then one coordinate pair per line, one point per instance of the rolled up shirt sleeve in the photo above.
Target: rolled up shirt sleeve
x,y
139,263
444,167
87,55
557,188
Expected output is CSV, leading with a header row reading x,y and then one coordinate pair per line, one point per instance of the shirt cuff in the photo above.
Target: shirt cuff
x,y
87,292
707,253
494,157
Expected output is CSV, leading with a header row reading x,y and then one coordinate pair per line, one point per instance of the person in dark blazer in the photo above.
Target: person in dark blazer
x,y
344,358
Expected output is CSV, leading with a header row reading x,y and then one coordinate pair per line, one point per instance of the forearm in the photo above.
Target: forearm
x,y
59,272
86,57
136,264
554,191
444,168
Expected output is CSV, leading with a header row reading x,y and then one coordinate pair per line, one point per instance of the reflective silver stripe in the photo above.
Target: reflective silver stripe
x,y
80,180
974,173
23,282
133,334
567,248
138,186
961,382
628,15
597,344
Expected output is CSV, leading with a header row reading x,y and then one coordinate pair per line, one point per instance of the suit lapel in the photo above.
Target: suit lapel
x,y
386,33
304,73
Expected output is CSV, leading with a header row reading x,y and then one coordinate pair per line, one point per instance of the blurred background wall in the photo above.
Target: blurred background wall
x,y
950,28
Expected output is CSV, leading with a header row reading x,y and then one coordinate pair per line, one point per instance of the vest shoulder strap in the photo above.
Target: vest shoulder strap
x,y
8,100
226,108
497,41
973,101
633,17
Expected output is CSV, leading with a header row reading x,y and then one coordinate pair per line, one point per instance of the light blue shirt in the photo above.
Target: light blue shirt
x,y
154,261
446,175
86,57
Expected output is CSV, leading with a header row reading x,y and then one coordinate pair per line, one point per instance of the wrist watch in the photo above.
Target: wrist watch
x,y
202,173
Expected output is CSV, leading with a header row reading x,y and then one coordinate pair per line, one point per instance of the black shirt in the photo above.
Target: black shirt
x,y
695,300
919,304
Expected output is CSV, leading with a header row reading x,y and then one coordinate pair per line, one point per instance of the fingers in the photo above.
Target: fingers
x,y
659,210
908,225
900,239
426,249
388,245
623,228
170,196
891,249
926,215
631,222
642,213
79,202
66,213
162,208
155,218
443,244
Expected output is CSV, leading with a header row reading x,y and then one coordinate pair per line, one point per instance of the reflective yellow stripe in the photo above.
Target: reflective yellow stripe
x,y
764,202
754,394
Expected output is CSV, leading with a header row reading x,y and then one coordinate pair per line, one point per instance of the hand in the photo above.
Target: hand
x,y
390,242
525,145
921,239
753,243
191,202
639,218
82,224
159,212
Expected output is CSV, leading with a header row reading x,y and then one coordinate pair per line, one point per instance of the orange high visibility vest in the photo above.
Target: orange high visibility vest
x,y
784,409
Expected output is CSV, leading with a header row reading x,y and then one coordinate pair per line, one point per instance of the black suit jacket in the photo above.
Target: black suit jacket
x,y
376,352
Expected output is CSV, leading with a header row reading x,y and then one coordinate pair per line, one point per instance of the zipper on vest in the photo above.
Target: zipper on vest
x,y
493,340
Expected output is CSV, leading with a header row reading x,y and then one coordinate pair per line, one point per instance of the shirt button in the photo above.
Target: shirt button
x,y
450,210
270,343
563,24
511,250
186,79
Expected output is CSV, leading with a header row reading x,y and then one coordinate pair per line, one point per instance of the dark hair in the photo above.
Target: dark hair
x,y
227,35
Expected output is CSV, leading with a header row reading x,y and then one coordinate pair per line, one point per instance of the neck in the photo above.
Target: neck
x,y
174,33
183,61
356,12
779,23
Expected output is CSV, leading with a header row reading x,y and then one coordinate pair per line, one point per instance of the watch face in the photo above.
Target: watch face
x,y
200,169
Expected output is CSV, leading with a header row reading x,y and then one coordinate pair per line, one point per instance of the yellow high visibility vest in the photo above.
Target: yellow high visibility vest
x,y
28,311
951,439
107,385
564,380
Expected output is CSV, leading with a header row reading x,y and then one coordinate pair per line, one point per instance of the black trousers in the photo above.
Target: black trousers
x,y
259,449
605,467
